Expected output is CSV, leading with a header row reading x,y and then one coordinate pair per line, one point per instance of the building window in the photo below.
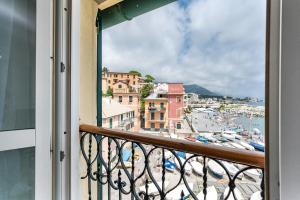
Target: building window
x,y
110,122
132,114
152,116
119,86
178,99
152,125
130,99
109,81
133,82
120,99
162,116
178,126
121,117
161,125
133,76
162,105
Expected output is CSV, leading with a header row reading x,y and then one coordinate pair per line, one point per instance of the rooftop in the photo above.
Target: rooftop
x,y
112,108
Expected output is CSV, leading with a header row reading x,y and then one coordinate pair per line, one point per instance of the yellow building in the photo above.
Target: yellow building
x,y
156,112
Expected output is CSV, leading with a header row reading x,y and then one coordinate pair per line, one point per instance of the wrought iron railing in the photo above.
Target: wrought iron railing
x,y
141,166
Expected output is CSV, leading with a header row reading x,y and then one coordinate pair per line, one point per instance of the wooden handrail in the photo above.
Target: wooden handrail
x,y
250,158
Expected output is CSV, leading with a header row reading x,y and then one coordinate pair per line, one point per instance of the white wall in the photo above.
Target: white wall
x,y
290,101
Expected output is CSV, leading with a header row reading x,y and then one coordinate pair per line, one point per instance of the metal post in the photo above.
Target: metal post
x,y
99,92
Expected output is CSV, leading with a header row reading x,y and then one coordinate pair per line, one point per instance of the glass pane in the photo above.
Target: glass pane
x,y
17,178
17,64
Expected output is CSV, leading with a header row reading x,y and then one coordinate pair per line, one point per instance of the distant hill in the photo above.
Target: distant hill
x,y
199,90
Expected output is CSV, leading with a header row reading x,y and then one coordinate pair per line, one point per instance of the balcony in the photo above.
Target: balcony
x,y
147,169
156,109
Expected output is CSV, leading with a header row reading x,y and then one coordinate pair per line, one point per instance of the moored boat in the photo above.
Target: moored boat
x,y
197,167
170,166
258,145
187,167
190,138
232,169
236,145
228,136
247,146
202,139
216,169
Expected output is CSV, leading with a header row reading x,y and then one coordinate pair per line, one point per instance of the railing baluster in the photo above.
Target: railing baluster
x,y
163,174
109,169
132,171
89,167
182,195
262,185
204,177
119,183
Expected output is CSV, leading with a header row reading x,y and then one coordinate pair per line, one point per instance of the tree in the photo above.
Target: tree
x,y
149,78
145,92
105,70
109,92
134,72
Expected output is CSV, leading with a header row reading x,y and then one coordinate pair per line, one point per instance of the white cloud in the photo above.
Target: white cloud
x,y
214,43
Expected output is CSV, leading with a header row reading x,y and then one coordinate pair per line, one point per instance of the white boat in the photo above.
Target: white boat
x,y
237,136
237,193
216,168
236,145
197,167
228,145
256,196
187,167
228,137
211,194
247,146
232,169
152,189
176,193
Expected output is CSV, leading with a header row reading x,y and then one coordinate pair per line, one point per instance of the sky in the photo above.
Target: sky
x,y
217,44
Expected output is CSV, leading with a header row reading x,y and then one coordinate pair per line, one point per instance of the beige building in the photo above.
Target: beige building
x,y
117,116
109,79
126,95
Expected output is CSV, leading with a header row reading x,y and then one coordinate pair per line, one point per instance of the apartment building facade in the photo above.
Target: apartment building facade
x,y
125,95
176,105
117,116
109,79
156,112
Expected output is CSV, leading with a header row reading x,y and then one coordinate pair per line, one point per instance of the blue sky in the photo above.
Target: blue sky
x,y
216,44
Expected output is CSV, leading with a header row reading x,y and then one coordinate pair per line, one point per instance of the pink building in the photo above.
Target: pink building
x,y
175,98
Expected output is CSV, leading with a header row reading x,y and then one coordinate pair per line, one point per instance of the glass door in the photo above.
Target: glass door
x,y
21,120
